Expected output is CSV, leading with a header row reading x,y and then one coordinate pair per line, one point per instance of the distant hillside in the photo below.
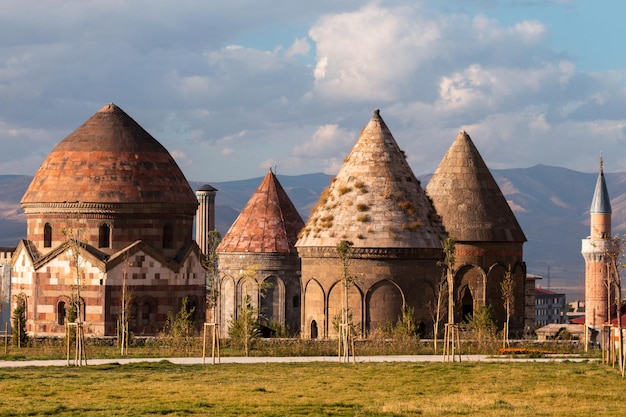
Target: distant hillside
x,y
12,220
551,204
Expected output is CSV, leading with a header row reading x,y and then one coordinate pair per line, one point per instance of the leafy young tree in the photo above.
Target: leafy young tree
x,y
209,262
507,286
448,263
73,236
406,326
482,326
451,338
211,269
20,337
125,309
345,252
179,327
71,313
615,263
437,307
246,327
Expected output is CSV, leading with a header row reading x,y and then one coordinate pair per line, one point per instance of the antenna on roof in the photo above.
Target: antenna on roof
x,y
275,166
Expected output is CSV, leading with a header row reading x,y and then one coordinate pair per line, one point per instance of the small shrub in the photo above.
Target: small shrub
x,y
407,325
481,327
277,329
344,189
408,207
360,185
326,222
324,197
412,226
179,328
362,207
363,218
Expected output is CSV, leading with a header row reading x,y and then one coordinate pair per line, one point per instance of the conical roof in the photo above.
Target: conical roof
x,y
269,223
468,199
110,159
375,200
601,202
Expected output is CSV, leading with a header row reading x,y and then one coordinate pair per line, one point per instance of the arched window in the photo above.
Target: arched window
x,y
146,310
192,306
47,236
61,313
104,236
168,236
143,315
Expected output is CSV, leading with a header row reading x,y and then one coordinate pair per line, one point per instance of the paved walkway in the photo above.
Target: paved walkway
x,y
295,359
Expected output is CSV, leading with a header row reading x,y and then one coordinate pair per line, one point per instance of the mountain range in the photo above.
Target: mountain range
x,y
550,203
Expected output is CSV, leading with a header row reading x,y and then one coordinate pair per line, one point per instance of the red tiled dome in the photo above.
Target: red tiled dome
x,y
269,223
110,159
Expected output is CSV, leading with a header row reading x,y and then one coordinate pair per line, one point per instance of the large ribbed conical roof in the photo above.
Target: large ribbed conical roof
x,y
110,159
269,223
375,200
468,199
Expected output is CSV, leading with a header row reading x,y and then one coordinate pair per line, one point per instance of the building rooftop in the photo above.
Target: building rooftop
x,y
542,291
468,199
269,223
375,200
109,159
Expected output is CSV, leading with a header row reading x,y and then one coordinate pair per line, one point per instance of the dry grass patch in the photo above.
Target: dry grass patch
x,y
315,389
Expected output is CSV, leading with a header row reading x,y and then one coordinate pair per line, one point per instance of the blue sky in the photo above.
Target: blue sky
x,y
233,88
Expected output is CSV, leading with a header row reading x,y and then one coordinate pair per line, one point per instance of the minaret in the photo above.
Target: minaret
x,y
205,216
594,250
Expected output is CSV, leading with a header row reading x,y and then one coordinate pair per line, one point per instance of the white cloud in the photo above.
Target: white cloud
x,y
327,141
366,53
195,76
299,47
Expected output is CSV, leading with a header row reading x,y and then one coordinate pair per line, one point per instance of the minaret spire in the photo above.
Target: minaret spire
x,y
601,164
594,249
601,202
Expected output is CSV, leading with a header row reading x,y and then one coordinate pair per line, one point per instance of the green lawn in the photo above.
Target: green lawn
x,y
316,389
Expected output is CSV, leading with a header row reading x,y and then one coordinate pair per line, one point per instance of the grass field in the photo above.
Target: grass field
x,y
316,389
48,348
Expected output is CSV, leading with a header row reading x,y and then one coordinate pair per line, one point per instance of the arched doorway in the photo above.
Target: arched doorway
x,y
313,329
467,304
